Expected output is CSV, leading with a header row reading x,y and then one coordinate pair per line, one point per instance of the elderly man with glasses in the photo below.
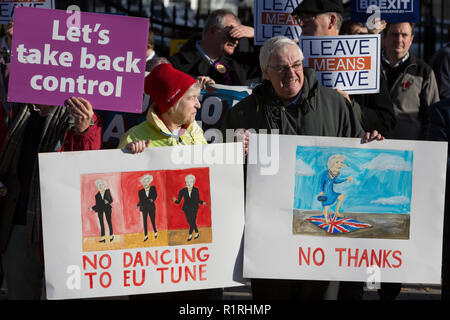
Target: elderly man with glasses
x,y
291,100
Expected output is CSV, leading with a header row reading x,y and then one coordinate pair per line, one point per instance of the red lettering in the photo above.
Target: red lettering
x,y
126,277
108,261
162,257
385,258
138,259
162,272
172,277
373,257
135,282
202,272
201,257
188,272
149,257
126,262
340,250
364,257
301,254
397,256
354,257
314,257
102,282
91,281
185,254
92,263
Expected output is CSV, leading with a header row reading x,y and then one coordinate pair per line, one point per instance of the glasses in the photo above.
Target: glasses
x,y
282,69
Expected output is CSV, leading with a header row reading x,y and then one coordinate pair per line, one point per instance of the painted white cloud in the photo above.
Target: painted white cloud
x,y
303,169
392,200
387,162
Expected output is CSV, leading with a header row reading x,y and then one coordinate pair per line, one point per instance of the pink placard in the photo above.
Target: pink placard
x,y
57,55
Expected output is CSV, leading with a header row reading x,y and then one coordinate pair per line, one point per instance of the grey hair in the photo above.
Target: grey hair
x,y
333,159
146,176
189,176
216,18
100,181
275,44
339,20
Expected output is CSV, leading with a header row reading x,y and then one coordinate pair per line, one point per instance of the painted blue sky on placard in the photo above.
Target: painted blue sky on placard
x,y
382,179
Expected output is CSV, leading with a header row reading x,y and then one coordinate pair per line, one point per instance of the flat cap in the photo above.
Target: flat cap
x,y
319,6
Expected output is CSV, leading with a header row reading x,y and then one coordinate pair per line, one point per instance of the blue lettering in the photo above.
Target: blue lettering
x,y
326,79
311,53
361,46
361,78
325,48
339,79
351,81
277,6
339,47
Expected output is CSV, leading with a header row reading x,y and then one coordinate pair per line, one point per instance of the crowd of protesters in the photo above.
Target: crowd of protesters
x,y
287,98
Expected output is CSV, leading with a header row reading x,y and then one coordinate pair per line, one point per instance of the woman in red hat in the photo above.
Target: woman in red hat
x,y
171,117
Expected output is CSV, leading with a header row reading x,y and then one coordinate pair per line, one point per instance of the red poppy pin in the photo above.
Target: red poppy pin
x,y
406,85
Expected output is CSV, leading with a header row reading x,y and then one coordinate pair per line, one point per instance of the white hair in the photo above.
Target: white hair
x,y
275,44
189,176
100,182
332,160
195,87
144,177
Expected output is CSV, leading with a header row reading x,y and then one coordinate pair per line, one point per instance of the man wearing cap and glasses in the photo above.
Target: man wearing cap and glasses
x,y
214,54
324,18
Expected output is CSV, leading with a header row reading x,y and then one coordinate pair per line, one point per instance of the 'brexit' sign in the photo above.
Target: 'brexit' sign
x,y
389,10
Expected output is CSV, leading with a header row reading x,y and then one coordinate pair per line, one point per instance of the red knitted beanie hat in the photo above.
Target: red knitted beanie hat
x,y
166,86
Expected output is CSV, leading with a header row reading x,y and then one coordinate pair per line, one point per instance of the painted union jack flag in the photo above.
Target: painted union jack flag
x,y
338,224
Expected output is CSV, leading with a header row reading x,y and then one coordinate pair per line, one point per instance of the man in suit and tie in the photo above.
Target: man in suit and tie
x,y
191,202
102,206
147,197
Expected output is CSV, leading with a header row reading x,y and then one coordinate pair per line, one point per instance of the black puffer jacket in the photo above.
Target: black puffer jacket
x,y
320,111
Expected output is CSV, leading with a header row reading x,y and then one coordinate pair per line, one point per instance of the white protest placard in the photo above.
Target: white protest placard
x,y
348,63
384,203
7,7
121,224
273,18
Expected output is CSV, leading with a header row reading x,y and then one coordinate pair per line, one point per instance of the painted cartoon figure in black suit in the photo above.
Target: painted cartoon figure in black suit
x,y
146,204
191,197
102,206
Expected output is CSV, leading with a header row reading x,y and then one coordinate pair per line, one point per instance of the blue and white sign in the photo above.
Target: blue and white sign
x,y
389,10
348,63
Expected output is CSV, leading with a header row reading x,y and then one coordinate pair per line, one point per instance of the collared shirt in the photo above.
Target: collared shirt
x,y
398,62
294,103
